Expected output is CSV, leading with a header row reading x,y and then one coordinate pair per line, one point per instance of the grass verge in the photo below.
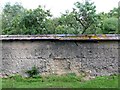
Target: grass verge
x,y
68,81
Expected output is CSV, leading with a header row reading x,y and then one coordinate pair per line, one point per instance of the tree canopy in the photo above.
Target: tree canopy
x,y
83,19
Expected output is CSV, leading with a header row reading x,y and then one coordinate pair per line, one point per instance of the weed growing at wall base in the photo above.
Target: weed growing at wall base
x,y
33,72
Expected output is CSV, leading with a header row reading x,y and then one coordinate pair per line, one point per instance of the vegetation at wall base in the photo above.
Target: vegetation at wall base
x,y
33,72
65,81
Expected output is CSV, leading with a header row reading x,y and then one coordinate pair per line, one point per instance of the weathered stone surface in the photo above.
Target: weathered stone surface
x,y
60,57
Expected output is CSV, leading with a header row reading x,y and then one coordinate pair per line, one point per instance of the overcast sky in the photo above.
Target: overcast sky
x,y
59,6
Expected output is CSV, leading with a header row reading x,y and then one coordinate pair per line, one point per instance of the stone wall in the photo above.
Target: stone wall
x,y
59,56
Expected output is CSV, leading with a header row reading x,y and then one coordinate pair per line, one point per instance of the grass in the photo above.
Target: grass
x,y
0,83
66,81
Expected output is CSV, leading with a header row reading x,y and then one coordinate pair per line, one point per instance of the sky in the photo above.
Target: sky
x,y
60,6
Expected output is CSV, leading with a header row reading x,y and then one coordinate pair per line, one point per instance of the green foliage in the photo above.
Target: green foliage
x,y
70,77
110,25
34,21
17,20
69,81
113,13
33,72
85,14
11,17
16,77
82,20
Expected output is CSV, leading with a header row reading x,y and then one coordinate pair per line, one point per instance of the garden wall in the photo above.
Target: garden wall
x,y
60,54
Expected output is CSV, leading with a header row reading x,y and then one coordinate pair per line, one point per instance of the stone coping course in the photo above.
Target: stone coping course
x,y
62,37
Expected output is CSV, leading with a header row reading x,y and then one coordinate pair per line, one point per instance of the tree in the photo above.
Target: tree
x,y
34,21
113,13
82,20
17,20
110,25
85,14
11,17
108,22
68,24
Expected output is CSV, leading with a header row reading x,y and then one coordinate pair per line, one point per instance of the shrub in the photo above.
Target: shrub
x,y
33,72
